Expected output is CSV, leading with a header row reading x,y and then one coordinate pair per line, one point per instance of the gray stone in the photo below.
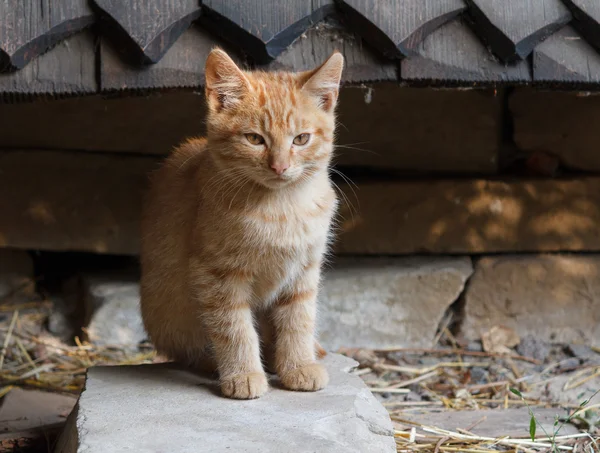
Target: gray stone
x,y
584,352
531,346
555,298
16,270
152,408
388,302
113,311
568,388
367,302
489,423
27,409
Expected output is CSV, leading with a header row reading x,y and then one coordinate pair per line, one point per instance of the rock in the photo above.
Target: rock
x,y
533,347
555,298
475,346
499,340
479,375
490,423
584,352
23,410
113,310
16,271
159,408
388,302
369,302
566,389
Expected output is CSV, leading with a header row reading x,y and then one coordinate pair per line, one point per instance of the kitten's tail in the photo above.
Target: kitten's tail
x,y
320,351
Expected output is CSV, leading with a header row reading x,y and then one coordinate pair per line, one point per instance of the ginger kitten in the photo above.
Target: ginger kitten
x,y
236,225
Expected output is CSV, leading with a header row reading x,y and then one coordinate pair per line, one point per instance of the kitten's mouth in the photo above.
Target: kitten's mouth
x,y
277,181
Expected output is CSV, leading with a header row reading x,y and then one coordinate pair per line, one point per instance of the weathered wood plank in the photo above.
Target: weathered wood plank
x,y
587,19
30,28
450,131
419,131
68,68
471,216
512,28
147,29
566,57
71,201
263,28
559,123
318,43
62,201
134,124
453,53
181,66
397,27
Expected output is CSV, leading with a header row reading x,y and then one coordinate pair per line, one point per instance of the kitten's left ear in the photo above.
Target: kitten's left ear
x,y
324,82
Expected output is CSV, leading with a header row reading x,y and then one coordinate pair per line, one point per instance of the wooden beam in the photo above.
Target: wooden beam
x,y
471,216
92,202
71,201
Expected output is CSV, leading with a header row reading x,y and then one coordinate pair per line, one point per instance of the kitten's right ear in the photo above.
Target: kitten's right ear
x,y
226,84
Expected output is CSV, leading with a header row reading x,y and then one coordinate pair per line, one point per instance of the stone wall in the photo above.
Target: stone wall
x,y
484,202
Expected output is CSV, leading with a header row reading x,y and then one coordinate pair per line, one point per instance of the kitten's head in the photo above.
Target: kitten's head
x,y
274,128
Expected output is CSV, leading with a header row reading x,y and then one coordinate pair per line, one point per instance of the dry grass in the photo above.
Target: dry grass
x,y
32,358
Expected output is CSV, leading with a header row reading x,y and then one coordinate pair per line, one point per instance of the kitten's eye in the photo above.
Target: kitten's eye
x,y
301,139
255,139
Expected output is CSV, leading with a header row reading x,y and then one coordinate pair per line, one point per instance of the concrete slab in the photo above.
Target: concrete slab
x,y
158,408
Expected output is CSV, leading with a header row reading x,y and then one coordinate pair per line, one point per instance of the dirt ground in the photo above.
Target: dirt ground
x,y
475,397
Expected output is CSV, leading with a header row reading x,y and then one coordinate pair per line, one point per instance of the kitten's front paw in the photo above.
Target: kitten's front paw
x,y
245,386
307,378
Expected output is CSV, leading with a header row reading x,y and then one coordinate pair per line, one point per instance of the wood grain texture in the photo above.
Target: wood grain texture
x,y
566,57
587,19
54,200
471,216
512,28
263,28
29,28
453,53
561,123
182,66
318,43
396,27
68,68
147,29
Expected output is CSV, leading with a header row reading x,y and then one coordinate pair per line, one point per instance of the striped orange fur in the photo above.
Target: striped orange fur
x,y
236,225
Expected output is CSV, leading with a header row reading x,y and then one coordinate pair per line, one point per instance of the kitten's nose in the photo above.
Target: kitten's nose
x,y
279,167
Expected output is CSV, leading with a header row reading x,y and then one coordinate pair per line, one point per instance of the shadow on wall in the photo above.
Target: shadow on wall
x,y
471,216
